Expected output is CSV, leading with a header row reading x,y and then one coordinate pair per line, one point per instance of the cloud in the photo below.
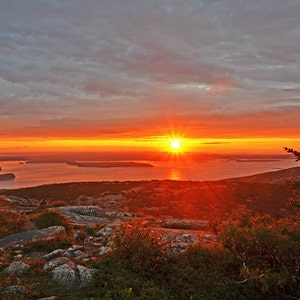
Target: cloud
x,y
113,67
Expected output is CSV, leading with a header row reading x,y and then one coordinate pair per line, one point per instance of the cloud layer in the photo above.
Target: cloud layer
x,y
128,68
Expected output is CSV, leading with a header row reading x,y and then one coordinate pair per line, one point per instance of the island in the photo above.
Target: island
x,y
109,164
93,164
7,176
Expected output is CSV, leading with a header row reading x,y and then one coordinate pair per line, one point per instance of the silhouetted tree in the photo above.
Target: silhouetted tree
x,y
295,199
290,150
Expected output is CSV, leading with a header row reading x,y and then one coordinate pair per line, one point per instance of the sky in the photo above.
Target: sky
x,y
220,75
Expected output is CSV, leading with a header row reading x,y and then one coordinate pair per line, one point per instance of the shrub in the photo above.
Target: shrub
x,y
51,217
268,251
294,200
139,247
11,222
114,280
56,203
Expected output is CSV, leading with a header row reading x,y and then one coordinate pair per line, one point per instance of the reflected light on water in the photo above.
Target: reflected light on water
x,y
175,175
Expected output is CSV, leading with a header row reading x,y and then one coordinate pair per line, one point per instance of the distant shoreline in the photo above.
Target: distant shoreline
x,y
131,156
257,160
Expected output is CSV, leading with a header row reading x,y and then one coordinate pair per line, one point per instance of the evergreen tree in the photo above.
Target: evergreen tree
x,y
290,150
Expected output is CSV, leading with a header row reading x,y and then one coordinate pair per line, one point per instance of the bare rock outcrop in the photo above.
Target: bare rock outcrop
x,y
21,201
186,224
14,292
32,235
92,215
85,214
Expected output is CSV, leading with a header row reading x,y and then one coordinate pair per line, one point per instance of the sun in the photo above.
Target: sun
x,y
175,145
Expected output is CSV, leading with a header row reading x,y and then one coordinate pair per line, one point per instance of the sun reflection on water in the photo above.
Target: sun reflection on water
x,y
175,175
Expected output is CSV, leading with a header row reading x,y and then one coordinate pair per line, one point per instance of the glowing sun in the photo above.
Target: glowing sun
x,y
175,145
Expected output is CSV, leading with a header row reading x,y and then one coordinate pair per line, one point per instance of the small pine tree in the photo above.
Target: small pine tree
x,y
291,150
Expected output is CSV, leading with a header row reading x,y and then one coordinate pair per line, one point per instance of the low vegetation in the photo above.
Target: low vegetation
x,y
11,222
255,257
49,218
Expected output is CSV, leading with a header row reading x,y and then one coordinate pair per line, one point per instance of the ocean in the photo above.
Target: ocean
x,y
28,175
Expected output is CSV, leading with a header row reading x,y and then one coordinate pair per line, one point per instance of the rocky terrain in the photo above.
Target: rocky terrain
x,y
179,212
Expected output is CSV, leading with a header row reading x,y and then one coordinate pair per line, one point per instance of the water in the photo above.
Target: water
x,y
46,173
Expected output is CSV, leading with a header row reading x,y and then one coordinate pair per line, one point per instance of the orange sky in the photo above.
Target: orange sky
x,y
154,144
122,76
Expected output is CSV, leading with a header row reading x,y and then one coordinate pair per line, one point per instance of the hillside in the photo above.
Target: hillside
x,y
280,176
263,193
150,240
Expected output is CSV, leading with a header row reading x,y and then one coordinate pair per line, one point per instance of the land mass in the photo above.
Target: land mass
x,y
263,193
74,249
110,164
7,176
93,164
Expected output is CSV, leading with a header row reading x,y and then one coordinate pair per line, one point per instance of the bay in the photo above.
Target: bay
x,y
28,175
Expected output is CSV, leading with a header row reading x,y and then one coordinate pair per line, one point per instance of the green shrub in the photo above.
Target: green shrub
x,y
139,247
114,280
50,218
267,250
11,222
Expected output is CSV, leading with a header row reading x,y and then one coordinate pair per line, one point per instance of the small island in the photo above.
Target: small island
x,y
256,160
7,176
109,164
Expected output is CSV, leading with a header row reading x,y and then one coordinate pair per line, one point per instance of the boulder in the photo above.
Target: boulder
x,y
76,252
186,238
14,292
68,274
103,250
16,268
186,224
85,275
54,254
65,275
176,248
106,232
178,242
56,262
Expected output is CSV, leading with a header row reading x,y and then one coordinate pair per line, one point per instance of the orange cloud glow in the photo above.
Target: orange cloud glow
x,y
154,144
